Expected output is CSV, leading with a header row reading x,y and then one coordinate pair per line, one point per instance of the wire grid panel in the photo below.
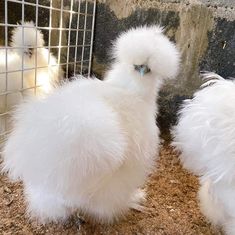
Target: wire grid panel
x,y
41,42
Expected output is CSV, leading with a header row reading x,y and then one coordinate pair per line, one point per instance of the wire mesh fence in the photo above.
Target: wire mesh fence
x,y
41,42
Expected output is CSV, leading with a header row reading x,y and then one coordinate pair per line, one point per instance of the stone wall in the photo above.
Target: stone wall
x,y
204,31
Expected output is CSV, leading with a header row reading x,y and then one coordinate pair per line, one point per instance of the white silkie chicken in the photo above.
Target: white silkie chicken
x,y
205,134
39,67
26,53
91,144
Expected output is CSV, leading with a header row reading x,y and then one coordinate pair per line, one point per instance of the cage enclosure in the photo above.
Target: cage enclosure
x,y
41,43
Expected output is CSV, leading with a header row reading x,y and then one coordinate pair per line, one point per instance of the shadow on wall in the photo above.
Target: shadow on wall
x,y
206,43
220,54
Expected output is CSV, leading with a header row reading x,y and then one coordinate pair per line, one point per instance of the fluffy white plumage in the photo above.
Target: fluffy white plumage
x,y
91,144
27,52
205,134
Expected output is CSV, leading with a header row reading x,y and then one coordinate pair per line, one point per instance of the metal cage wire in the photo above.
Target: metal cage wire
x,y
68,30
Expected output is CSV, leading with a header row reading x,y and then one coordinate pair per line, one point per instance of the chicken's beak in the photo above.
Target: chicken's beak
x,y
29,51
142,69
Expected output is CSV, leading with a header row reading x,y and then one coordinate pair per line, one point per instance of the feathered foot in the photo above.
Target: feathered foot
x,y
137,200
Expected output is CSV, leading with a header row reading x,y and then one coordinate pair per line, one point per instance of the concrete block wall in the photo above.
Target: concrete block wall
x,y
204,31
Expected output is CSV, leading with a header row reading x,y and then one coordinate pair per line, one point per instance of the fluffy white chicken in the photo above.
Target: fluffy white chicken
x,y
205,134
27,53
91,144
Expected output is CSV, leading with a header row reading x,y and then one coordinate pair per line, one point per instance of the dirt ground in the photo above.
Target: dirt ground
x,y
172,208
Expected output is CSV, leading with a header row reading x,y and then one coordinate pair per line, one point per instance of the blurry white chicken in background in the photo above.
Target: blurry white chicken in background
x,y
27,53
205,134
91,144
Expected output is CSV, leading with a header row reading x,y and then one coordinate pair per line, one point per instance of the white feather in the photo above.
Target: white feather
x,y
91,144
205,134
